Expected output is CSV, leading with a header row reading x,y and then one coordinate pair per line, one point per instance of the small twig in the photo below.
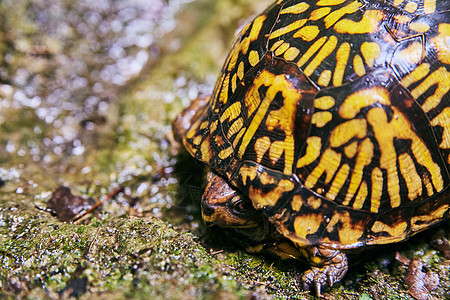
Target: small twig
x,y
350,293
98,204
215,252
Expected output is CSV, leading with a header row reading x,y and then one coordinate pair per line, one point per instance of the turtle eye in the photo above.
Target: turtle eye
x,y
241,205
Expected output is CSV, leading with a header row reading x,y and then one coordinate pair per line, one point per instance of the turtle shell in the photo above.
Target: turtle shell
x,y
333,117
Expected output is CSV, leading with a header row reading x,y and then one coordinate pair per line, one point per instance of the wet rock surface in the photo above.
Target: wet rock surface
x,y
88,91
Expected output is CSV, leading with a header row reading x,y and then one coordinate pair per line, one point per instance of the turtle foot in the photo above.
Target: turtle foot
x,y
329,273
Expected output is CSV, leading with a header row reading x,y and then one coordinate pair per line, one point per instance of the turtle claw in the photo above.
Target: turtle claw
x,y
331,280
314,277
318,286
329,273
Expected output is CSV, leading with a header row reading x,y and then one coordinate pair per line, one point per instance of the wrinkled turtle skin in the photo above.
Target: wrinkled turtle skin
x,y
330,122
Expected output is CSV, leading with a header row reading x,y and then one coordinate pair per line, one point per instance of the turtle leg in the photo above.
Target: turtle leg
x,y
329,266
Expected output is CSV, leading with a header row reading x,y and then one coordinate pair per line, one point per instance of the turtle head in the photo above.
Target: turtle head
x,y
224,206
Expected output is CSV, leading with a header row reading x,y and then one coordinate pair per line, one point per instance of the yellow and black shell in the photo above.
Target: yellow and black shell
x,y
333,117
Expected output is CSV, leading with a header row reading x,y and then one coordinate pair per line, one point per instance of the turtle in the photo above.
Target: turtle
x,y
328,129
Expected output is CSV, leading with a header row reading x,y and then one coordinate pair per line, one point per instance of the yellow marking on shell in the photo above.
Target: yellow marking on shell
x,y
396,232
204,125
280,50
419,27
412,179
243,46
193,130
219,141
358,66
319,13
314,202
205,150
428,184
368,23
384,135
235,127
314,144
240,71
351,149
377,189
441,78
223,96
370,52
338,181
329,163
253,58
297,202
307,33
270,198
234,55
412,54
429,6
402,19
276,45
238,137
252,100
411,7
283,118
213,126
276,150
307,224
349,231
363,159
295,9
417,74
324,78
324,102
326,50
247,173
233,83
400,128
443,120
226,153
231,113
291,54
261,146
311,50
329,2
346,131
342,55
197,140
291,27
442,43
321,118
430,218
397,2
256,29
361,196
334,16
267,179
367,97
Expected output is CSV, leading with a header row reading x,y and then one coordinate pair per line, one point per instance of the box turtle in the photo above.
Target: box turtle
x,y
328,129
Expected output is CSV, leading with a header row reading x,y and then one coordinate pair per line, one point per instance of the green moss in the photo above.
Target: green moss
x,y
141,257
